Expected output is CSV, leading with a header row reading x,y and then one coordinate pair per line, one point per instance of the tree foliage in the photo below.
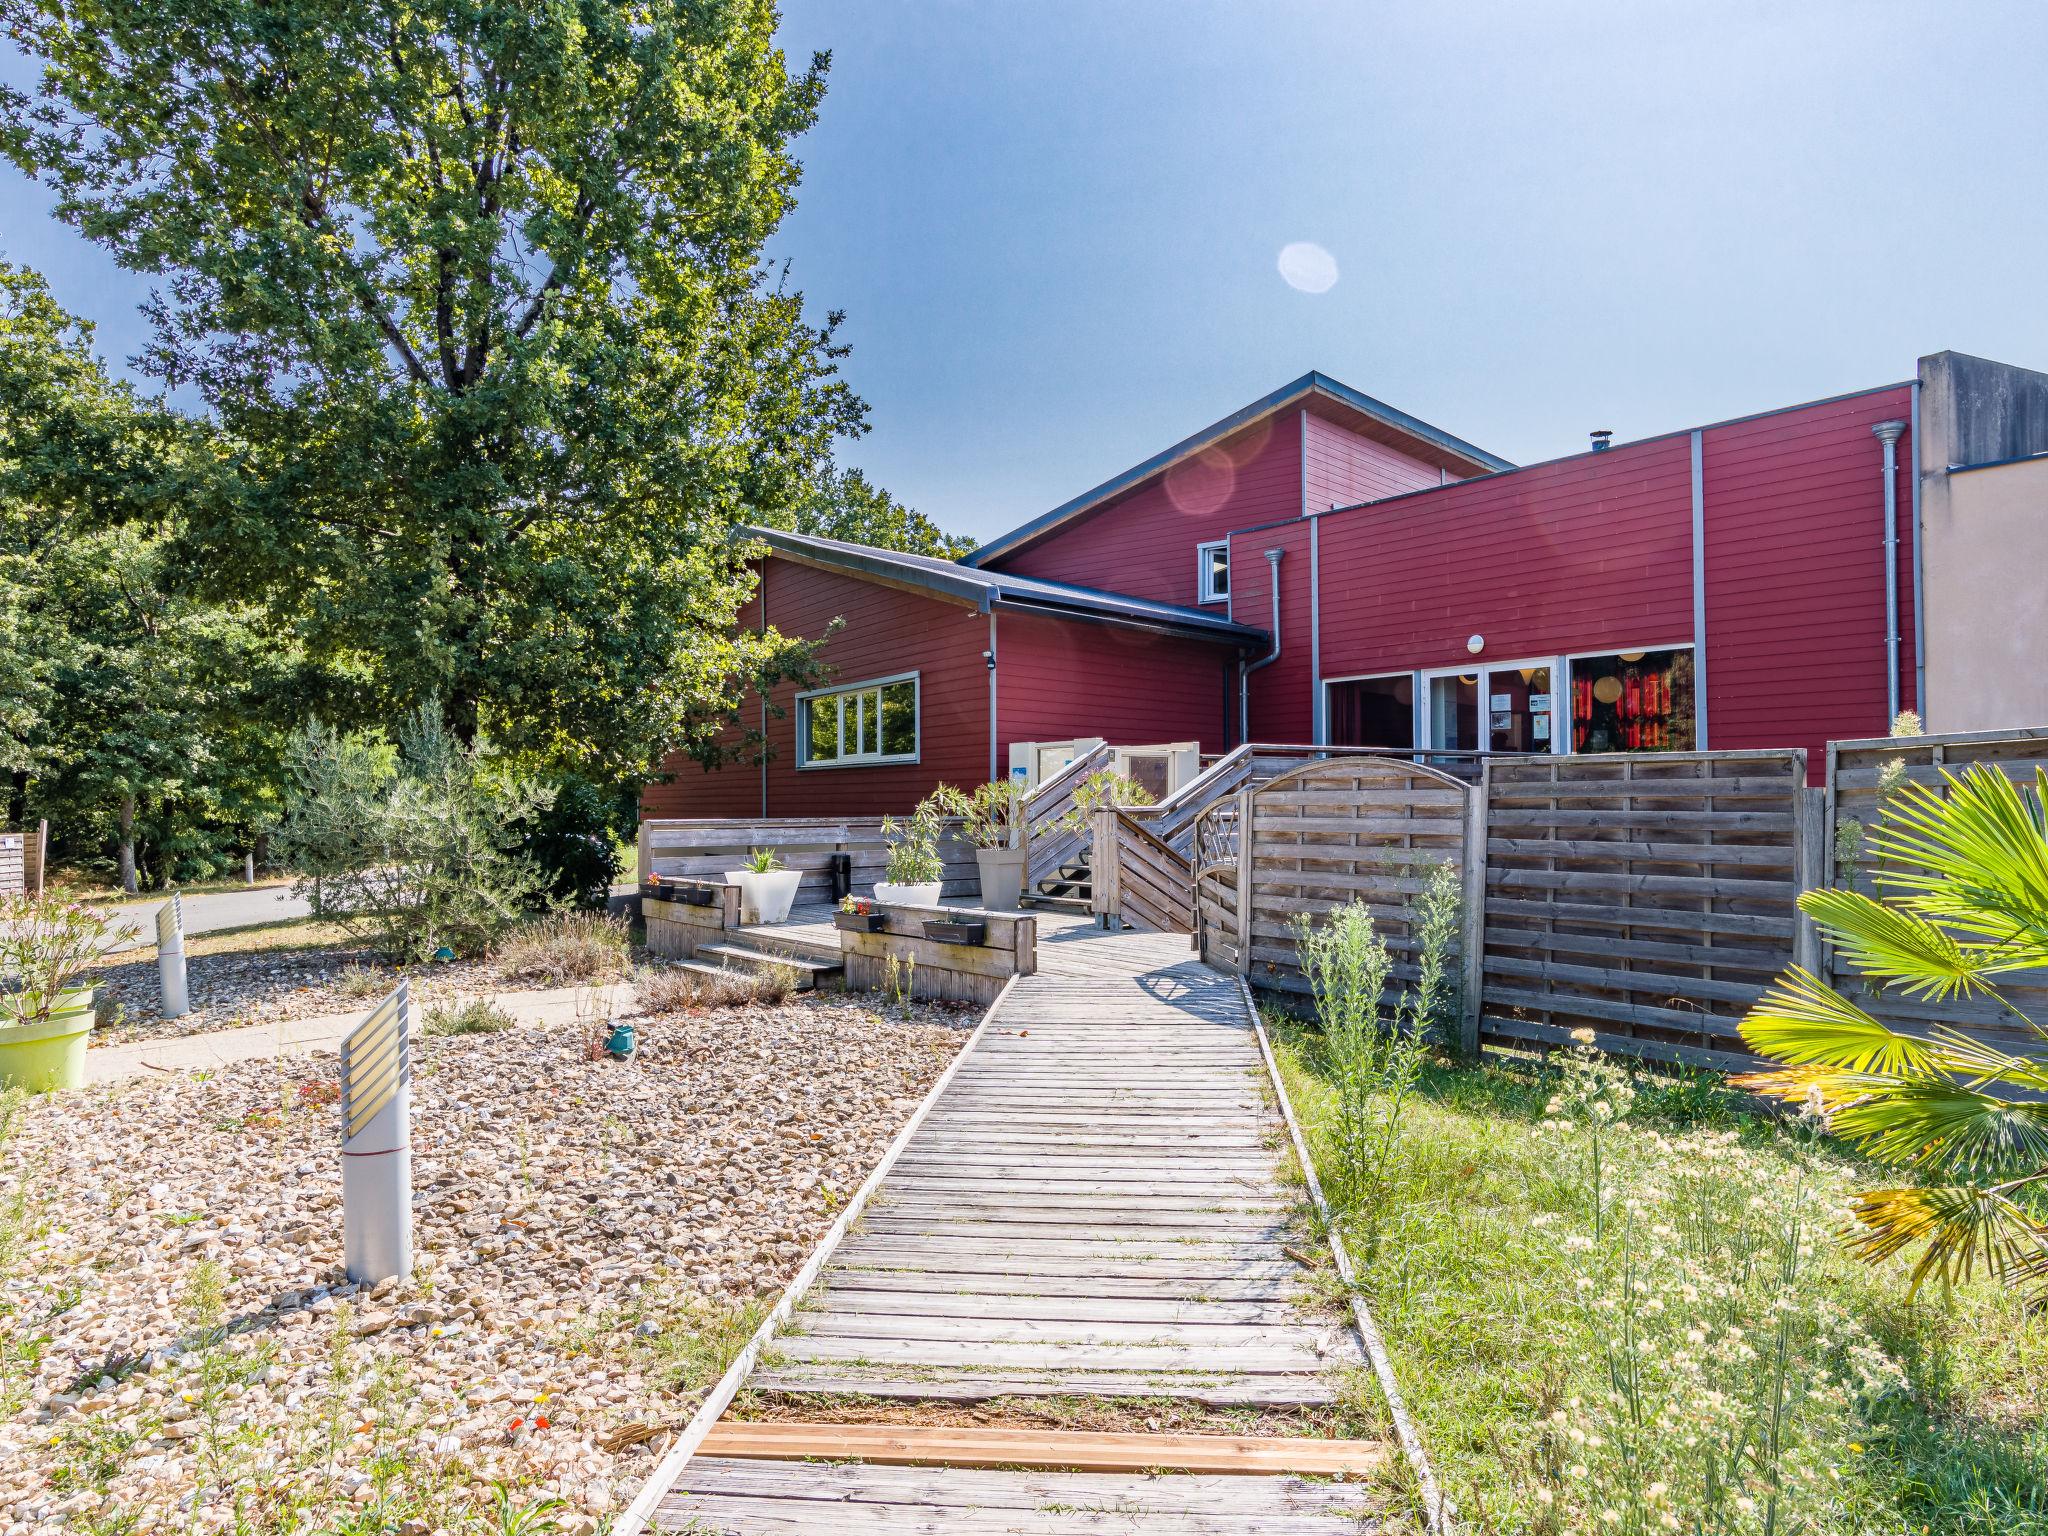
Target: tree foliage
x,y
844,504
131,711
1965,903
413,850
475,294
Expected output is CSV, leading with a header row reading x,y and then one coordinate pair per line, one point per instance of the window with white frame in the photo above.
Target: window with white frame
x,y
871,722
1212,566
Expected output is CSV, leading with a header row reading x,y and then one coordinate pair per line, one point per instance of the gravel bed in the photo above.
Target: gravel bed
x,y
577,1220
240,987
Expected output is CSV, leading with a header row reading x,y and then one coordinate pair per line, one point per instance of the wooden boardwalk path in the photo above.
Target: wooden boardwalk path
x,y
1091,1208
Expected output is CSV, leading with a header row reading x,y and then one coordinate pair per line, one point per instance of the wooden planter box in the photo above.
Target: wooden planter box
x,y
861,922
683,895
957,933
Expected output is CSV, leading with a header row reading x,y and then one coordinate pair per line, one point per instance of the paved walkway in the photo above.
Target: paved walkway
x,y
1090,1209
212,911
295,1037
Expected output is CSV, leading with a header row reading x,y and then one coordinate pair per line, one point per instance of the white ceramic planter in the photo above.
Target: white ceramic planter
x,y
922,895
1002,876
766,898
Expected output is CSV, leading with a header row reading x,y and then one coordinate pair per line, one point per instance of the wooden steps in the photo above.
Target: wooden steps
x,y
1045,1449
746,954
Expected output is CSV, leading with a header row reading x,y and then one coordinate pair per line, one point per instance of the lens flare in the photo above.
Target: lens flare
x,y
1308,267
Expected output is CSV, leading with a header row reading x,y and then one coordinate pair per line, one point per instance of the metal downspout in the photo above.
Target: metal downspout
x,y
1699,592
1318,725
1919,607
1244,686
990,657
764,699
1887,432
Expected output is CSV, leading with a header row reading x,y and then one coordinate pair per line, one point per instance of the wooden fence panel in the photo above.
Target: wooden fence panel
x,y
1152,884
1861,775
1647,897
1360,828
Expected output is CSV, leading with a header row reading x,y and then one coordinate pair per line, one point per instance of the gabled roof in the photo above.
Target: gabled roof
x,y
988,590
1309,384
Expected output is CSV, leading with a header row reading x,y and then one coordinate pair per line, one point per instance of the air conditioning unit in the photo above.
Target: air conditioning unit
x,y
1161,768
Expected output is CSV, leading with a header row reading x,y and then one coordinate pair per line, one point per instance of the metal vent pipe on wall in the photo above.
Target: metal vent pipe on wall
x,y
1887,432
1244,681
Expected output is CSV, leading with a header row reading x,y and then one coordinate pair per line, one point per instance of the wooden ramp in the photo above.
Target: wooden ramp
x,y
1091,1208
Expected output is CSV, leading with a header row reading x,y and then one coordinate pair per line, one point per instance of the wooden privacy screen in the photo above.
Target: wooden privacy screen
x,y
1857,786
705,849
1649,897
1367,829
1142,879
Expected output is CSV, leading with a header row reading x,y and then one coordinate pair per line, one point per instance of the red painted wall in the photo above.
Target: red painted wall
x,y
886,631
1143,543
1059,679
1282,694
1345,468
1594,553
1577,555
1795,575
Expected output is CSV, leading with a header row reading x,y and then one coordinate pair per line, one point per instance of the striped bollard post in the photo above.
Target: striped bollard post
x,y
376,1142
172,1001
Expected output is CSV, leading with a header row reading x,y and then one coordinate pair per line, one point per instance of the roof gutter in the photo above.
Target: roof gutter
x,y
1236,635
1244,676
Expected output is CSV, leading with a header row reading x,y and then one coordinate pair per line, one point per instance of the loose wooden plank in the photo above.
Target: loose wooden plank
x,y
1076,1450
874,1480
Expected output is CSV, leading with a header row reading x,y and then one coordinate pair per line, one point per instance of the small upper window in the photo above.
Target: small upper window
x,y
1212,563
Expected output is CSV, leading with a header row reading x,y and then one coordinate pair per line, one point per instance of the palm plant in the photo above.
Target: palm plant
x,y
1964,904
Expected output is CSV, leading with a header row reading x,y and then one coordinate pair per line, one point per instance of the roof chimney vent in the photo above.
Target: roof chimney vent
x,y
1602,440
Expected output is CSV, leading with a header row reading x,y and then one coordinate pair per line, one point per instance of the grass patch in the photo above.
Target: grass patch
x,y
565,949
1927,1415
477,1016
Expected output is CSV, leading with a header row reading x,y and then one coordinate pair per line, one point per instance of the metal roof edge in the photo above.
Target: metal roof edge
x,y
1312,382
985,590
1634,442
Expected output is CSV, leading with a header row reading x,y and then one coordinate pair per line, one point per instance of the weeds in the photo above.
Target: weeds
x,y
565,949
478,1016
363,981
1375,1054
670,989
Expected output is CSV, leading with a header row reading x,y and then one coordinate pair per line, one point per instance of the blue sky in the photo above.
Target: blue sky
x,y
1056,227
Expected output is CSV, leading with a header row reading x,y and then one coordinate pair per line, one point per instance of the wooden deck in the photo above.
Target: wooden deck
x,y
1091,1208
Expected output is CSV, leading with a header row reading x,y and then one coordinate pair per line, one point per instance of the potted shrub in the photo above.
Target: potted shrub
x,y
857,914
767,890
45,1019
915,874
992,818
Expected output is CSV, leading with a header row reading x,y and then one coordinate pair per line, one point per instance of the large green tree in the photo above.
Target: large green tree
x,y
476,292
132,712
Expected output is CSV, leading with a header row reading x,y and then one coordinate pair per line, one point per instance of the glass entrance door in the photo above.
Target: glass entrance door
x,y
1454,711
1506,707
1518,709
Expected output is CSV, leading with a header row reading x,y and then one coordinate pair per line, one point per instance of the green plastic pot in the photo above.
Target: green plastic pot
x,y
49,1055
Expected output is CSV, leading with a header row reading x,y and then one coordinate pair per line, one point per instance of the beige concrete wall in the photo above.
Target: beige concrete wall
x,y
1985,569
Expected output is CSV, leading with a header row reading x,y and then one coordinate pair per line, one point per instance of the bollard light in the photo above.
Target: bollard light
x,y
172,1001
376,1142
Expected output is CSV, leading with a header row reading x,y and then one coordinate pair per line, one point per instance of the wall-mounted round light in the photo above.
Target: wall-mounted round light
x,y
1475,644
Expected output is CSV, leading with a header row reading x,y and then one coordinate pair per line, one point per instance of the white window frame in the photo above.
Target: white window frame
x,y
1617,650
1203,592
843,692
1560,700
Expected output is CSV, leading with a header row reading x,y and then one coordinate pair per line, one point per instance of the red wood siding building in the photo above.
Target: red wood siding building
x,y
1727,585
1131,673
